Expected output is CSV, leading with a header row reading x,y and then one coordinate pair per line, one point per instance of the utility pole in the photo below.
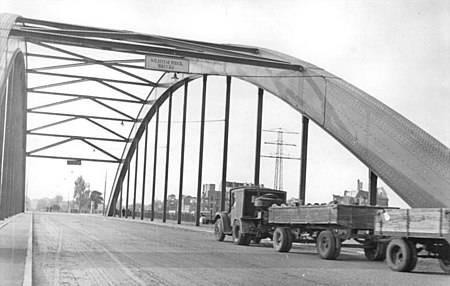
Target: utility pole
x,y
279,156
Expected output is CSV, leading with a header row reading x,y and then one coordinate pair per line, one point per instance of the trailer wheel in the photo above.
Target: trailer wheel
x,y
337,250
413,262
218,230
282,239
238,237
399,255
376,253
326,245
445,265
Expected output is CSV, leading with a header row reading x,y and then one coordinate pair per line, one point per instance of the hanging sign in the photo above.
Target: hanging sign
x,y
166,64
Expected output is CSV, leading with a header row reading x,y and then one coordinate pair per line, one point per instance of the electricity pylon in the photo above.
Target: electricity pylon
x,y
279,156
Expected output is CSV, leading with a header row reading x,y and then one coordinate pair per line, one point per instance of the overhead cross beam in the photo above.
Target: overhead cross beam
x,y
141,44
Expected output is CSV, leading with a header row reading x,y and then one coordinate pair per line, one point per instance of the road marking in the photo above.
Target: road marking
x,y
28,272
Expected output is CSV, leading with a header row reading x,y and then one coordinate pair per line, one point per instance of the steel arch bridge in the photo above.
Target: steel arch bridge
x,y
133,79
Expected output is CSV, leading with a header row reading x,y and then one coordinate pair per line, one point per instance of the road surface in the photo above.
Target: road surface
x,y
93,250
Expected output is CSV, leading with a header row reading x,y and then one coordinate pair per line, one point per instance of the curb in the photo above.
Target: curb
x,y
28,272
170,225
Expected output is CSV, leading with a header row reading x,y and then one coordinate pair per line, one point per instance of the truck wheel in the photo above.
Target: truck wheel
x,y
445,265
399,255
282,239
326,245
218,230
238,237
376,253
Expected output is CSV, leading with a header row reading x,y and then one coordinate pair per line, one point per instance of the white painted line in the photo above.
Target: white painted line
x,y
28,273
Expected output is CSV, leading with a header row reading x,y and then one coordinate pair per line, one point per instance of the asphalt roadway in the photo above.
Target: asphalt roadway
x,y
93,250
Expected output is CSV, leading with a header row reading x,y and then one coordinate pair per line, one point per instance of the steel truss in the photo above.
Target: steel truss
x,y
131,96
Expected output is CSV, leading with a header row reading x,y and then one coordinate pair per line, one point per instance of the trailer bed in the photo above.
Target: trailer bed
x,y
420,222
340,216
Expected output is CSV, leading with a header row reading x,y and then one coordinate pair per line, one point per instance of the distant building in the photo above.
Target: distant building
x,y
361,197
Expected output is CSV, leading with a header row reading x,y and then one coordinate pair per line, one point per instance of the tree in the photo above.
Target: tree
x,y
97,198
81,193
55,208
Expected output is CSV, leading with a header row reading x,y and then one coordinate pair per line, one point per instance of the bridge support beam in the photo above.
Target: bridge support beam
x,y
155,161
183,142
136,157
128,191
225,145
200,156
373,188
144,172
303,159
120,203
166,178
258,136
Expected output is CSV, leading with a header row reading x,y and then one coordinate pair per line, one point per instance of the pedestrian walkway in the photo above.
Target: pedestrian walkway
x,y
15,234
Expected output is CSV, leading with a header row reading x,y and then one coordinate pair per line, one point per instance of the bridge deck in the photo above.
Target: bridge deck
x,y
93,250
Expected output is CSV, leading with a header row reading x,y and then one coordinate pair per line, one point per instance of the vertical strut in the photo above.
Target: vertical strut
x,y
183,141
304,154
120,201
225,144
113,203
128,191
135,179
258,135
155,159
144,172
372,188
200,159
166,179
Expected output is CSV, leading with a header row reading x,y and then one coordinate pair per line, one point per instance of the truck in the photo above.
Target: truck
x,y
256,213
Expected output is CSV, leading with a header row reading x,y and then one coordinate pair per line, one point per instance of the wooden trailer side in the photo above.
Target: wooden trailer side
x,y
420,222
342,216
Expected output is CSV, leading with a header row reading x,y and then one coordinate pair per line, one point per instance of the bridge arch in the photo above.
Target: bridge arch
x,y
13,135
414,164
378,136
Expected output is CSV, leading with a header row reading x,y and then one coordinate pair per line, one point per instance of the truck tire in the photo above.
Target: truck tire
x,y
326,245
399,255
218,230
445,265
282,239
238,237
376,253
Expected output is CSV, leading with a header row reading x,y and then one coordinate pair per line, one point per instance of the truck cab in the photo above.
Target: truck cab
x,y
246,217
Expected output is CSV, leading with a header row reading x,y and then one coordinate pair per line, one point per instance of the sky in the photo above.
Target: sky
x,y
396,51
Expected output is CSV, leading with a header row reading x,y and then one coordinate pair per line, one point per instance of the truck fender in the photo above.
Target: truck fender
x,y
248,227
227,227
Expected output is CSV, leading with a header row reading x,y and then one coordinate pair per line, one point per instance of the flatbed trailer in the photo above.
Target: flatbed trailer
x,y
398,235
413,233
328,226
